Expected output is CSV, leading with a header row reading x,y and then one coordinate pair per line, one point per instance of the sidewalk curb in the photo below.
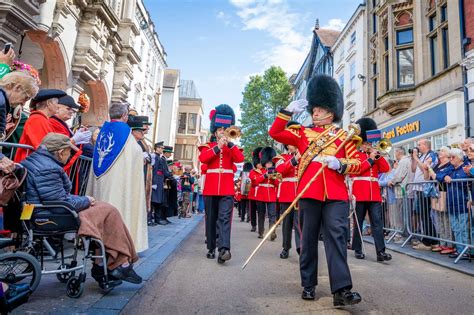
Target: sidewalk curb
x,y
115,301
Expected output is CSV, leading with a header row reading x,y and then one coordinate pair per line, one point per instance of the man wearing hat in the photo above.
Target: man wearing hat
x,y
170,204
253,174
160,174
220,156
325,203
366,190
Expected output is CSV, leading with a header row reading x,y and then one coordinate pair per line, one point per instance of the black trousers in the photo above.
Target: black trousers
x,y
333,216
262,209
253,213
243,209
290,223
218,217
159,211
376,224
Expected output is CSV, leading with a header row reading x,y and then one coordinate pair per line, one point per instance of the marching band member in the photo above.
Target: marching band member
x,y
245,189
265,191
286,165
366,190
256,171
220,156
326,200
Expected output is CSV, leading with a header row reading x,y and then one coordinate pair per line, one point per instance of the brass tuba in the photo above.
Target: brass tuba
x,y
233,132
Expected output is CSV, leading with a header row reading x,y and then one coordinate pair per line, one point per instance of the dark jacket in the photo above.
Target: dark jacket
x,y
47,181
4,109
457,192
186,185
160,174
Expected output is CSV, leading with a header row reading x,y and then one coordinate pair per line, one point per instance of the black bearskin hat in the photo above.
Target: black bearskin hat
x,y
323,91
222,109
266,155
366,124
247,167
256,156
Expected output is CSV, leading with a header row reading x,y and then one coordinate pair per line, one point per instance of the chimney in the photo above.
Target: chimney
x,y
316,25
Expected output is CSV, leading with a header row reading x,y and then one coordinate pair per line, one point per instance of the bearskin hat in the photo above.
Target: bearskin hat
x,y
222,109
366,124
256,156
266,155
247,167
323,91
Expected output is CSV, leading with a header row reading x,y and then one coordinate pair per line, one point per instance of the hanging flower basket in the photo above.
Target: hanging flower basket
x,y
84,101
20,66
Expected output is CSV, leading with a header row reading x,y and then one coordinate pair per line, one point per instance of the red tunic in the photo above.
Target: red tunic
x,y
365,186
37,126
286,166
220,169
60,126
265,188
330,185
252,176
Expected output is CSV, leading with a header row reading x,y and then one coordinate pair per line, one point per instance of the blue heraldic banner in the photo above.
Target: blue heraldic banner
x,y
110,143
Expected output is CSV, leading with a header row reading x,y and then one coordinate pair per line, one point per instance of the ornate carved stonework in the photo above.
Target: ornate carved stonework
x,y
17,17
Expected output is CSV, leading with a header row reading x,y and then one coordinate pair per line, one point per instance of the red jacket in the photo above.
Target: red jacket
x,y
37,126
220,169
60,126
265,188
253,175
365,186
330,185
286,166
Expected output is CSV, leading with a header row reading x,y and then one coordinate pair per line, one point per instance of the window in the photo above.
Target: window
x,y
432,22
404,37
374,23
438,38
353,38
440,141
445,37
182,123
353,75
352,117
375,92
184,152
406,75
434,54
192,123
387,73
341,83
444,12
374,69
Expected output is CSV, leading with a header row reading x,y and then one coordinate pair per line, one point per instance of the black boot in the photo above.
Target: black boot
x,y
253,229
284,254
383,256
346,297
359,254
211,254
308,293
273,236
224,255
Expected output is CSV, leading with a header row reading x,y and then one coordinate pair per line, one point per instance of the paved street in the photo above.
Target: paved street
x,y
188,283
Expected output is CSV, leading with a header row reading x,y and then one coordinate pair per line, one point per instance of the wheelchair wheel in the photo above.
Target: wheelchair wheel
x,y
65,276
74,287
20,267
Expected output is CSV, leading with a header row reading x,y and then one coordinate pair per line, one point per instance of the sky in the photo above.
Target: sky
x,y
221,43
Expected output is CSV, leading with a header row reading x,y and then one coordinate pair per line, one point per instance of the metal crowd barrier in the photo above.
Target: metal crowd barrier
x,y
393,215
79,175
9,149
441,212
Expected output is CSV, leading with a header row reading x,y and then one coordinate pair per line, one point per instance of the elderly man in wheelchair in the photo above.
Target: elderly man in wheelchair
x,y
55,212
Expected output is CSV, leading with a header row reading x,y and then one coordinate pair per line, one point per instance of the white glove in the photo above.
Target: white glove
x,y
82,136
332,162
297,107
154,187
146,156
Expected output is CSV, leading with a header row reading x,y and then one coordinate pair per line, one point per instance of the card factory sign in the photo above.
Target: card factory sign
x,y
417,125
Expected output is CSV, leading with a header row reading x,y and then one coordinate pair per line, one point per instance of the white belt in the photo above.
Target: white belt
x,y
220,170
371,179
266,185
290,179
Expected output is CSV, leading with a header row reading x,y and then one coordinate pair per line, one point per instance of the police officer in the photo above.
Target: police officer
x,y
160,174
220,156
326,200
366,190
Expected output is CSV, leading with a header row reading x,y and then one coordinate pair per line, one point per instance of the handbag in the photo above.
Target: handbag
x,y
9,183
439,204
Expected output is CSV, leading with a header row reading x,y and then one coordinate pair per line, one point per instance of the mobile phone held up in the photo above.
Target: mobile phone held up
x,y
7,48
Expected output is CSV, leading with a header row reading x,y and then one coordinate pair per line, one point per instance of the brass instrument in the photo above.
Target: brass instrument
x,y
233,132
383,147
275,176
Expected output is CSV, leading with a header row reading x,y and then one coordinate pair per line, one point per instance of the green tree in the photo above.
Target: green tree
x,y
263,97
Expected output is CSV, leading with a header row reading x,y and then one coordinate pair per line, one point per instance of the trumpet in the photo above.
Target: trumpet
x,y
383,147
233,132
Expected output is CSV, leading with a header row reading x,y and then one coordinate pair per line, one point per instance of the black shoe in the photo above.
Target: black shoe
x,y
298,250
284,254
359,254
97,272
346,297
273,236
253,229
248,220
126,274
211,254
224,255
308,293
383,256
260,235
168,221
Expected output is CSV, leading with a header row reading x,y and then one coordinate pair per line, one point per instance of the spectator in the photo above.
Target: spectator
x,y
47,181
16,88
422,204
441,218
187,180
465,145
457,198
392,214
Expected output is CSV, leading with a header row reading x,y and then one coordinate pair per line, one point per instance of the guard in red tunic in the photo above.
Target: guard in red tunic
x,y
286,165
366,190
245,184
220,156
325,203
251,196
265,191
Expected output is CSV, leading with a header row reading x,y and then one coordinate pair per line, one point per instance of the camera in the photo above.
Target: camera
x,y
7,48
411,150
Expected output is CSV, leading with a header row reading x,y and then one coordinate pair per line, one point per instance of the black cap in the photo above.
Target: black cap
x,y
168,149
144,120
46,94
135,123
68,101
159,144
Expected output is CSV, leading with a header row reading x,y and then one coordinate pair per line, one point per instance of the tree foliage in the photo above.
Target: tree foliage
x,y
263,97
